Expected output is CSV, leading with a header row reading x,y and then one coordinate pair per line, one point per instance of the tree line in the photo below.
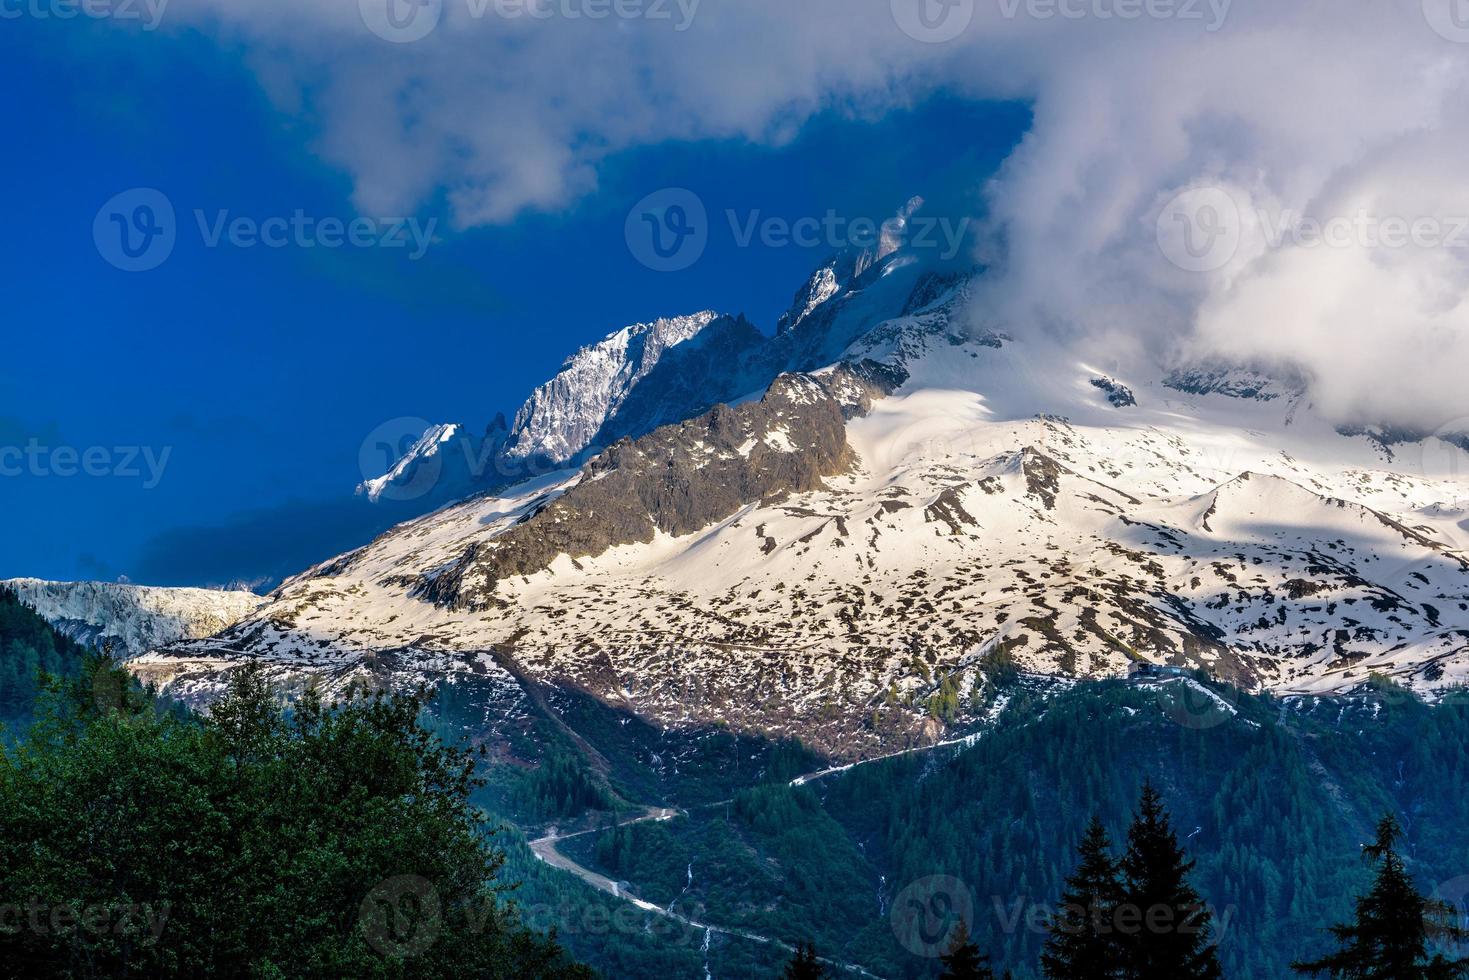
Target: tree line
x,y
1138,917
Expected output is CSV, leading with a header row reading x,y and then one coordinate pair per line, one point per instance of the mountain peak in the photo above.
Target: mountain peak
x,y
845,268
412,466
563,416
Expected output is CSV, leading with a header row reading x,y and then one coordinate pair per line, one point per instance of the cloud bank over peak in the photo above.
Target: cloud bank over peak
x,y
1211,178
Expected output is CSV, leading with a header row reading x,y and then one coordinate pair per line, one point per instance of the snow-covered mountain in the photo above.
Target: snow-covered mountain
x,y
628,383
890,507
445,462
127,620
563,416
646,375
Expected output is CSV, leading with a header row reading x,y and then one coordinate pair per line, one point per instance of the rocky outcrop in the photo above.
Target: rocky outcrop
x,y
563,416
678,479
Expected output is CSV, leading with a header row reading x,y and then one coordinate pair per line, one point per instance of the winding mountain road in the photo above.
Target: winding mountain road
x,y
546,850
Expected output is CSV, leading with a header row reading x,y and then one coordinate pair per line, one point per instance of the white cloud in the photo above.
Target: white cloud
x,y
1305,108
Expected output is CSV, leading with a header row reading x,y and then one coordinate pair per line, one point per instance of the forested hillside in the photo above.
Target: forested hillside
x,y
1272,797
1274,802
29,647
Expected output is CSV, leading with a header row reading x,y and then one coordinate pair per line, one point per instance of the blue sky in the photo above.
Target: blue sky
x,y
259,371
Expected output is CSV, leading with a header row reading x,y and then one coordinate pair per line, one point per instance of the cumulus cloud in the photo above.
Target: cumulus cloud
x,y
1299,114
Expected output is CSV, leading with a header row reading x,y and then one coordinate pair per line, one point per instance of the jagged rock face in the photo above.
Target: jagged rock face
x,y
1234,382
846,268
127,620
825,283
721,364
1118,394
675,480
563,416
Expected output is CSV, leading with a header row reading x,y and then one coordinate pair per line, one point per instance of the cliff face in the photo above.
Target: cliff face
x,y
128,620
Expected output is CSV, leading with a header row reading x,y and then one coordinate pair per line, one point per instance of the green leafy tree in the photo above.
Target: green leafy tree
x,y
804,965
323,841
1084,942
1164,924
1395,923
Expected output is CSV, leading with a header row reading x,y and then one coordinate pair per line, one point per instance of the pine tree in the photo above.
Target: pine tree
x,y
963,961
1163,923
1084,944
804,965
1389,940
